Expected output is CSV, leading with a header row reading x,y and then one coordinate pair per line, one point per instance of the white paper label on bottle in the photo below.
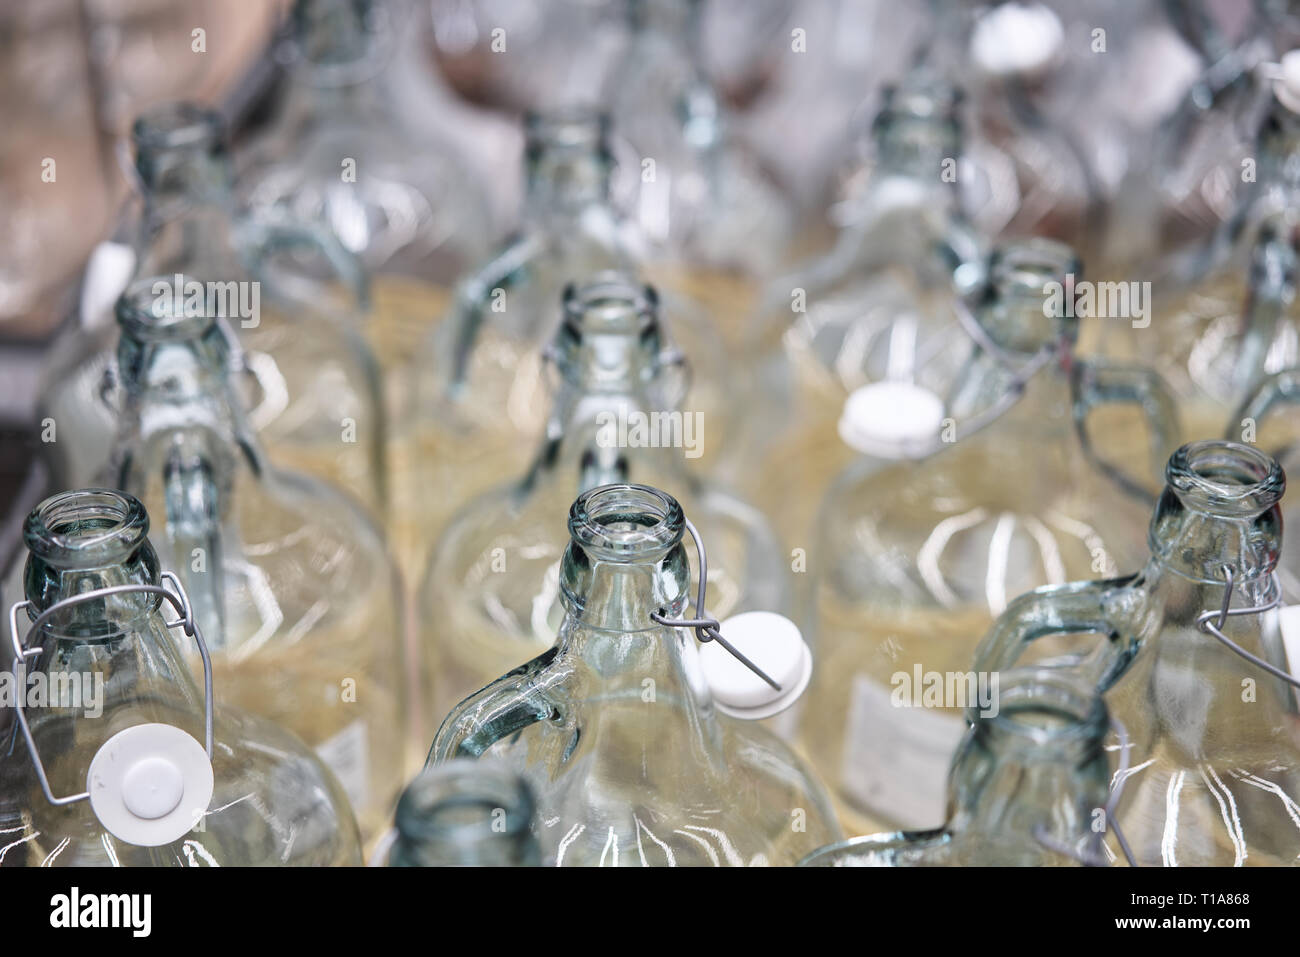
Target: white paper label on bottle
x,y
896,759
347,754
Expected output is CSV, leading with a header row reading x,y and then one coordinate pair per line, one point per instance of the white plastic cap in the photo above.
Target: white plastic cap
x,y
891,420
1016,38
107,272
773,643
150,784
1287,86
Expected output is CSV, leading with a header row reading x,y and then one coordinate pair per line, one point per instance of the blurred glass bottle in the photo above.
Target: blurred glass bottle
x,y
287,577
1233,316
480,392
490,597
466,813
1024,787
312,385
880,306
1185,172
340,153
705,201
1215,736
921,543
615,727
1270,420
266,799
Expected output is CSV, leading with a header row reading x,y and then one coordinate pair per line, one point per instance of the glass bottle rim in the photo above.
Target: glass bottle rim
x,y
1044,709
86,527
610,302
625,522
461,799
576,129
178,125
146,312
1226,478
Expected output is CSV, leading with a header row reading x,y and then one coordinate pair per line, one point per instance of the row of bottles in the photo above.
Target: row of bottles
x,y
355,425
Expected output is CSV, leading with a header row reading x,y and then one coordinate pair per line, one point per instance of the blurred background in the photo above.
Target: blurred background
x,y
800,81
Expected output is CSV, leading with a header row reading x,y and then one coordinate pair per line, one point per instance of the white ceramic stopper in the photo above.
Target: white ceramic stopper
x,y
891,419
1016,39
150,784
773,643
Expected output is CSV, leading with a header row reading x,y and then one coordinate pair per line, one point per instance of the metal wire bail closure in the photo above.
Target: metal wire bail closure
x,y
708,628
149,783
1212,622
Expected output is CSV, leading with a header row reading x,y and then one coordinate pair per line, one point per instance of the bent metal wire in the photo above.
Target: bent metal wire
x,y
707,628
178,599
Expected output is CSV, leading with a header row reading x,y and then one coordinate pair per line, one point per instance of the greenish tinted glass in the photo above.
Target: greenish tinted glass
x,y
1216,760
288,577
304,368
466,813
620,414
614,726
274,803
1026,788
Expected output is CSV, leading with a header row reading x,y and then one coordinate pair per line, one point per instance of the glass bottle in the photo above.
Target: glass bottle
x,y
480,390
614,726
1215,737
1232,314
923,541
881,305
490,597
704,200
1268,420
339,153
288,578
272,802
1024,787
312,385
465,813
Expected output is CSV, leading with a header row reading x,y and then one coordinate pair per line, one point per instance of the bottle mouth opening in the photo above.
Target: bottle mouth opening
x,y
1226,477
575,130
86,526
169,308
178,126
465,801
1022,268
610,303
626,520
1044,706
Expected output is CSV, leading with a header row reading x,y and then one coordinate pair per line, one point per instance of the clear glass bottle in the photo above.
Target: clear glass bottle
x,y
340,153
923,541
490,597
466,813
1268,419
288,578
1024,787
480,390
1231,318
880,306
272,801
704,199
614,726
1215,737
312,385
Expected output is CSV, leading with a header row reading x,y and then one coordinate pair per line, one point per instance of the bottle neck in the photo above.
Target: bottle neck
x,y
465,813
1032,775
620,392
185,174
109,662
338,49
